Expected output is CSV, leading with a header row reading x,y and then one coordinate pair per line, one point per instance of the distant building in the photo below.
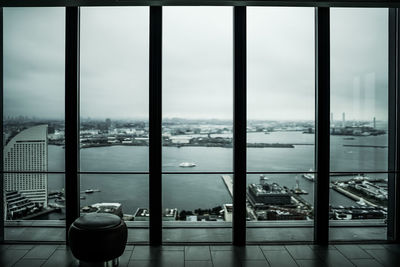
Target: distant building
x,y
113,208
265,194
27,151
170,214
142,214
228,208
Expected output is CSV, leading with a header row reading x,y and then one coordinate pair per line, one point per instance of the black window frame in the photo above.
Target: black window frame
x,y
322,109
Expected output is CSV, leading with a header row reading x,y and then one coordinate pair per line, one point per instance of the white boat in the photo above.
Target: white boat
x,y
187,164
361,202
309,176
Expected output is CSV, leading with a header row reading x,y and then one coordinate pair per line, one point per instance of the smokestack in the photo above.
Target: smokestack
x,y
343,119
374,122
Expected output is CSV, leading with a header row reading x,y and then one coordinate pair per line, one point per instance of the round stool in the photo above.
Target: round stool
x,y
97,238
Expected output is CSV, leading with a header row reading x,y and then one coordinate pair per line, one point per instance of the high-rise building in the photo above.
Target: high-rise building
x,y
27,151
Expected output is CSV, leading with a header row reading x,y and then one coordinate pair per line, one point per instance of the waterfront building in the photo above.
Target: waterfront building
x,y
228,208
262,195
142,214
27,151
113,208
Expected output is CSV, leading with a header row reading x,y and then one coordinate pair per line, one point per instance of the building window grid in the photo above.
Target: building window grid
x,y
14,153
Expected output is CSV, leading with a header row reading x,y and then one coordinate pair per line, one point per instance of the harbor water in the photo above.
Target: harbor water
x,y
193,191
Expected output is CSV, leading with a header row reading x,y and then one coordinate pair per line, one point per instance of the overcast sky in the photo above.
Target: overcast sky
x,y
197,62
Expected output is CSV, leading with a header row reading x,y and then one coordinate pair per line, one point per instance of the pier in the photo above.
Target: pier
x,y
228,183
351,195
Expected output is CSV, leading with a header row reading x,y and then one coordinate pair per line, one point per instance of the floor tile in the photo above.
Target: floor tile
x,y
61,258
255,263
124,258
197,253
145,253
173,248
10,256
4,247
310,263
333,258
198,264
366,263
272,247
159,257
279,258
353,252
227,247
41,252
384,256
393,248
29,262
320,247
249,253
144,263
371,246
25,247
223,258
301,252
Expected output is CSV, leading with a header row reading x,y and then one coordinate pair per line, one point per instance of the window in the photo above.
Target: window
x,y
198,58
359,123
280,122
197,119
33,121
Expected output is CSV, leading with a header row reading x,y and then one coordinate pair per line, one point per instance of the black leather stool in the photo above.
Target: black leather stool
x,y
96,239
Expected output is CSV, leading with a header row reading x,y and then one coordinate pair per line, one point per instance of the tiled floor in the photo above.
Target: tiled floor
x,y
206,235
372,255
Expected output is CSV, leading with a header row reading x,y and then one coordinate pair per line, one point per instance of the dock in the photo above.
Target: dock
x,y
228,183
351,195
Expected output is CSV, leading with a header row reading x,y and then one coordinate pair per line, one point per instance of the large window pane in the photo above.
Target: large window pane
x,y
359,123
280,126
359,89
114,89
197,88
33,133
197,118
34,52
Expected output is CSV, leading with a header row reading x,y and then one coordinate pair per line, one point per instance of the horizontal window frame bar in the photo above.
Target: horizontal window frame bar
x,y
201,172
295,3
200,225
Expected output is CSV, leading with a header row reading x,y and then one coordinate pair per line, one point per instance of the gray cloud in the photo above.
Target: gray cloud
x,y
197,62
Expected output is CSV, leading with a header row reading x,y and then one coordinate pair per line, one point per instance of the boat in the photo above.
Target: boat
x,y
343,216
187,164
89,191
309,176
361,202
297,190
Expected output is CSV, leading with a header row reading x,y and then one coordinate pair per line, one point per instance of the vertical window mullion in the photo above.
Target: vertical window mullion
x,y
1,129
322,125
155,117
394,124
71,115
239,127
